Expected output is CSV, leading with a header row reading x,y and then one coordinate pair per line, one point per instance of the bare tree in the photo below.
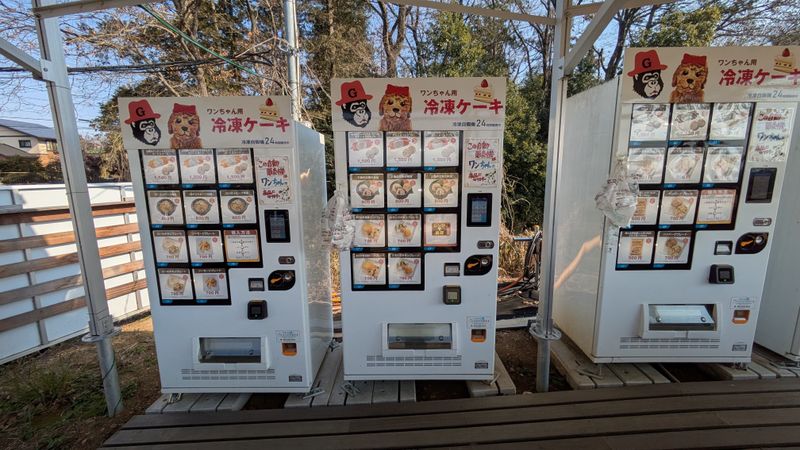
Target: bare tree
x,y
393,33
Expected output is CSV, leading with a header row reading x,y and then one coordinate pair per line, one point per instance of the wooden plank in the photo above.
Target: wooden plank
x,y
479,389
727,372
564,359
65,259
183,405
626,428
505,384
298,401
408,391
652,373
363,394
233,402
338,395
629,374
36,215
207,403
386,391
780,372
69,305
690,391
158,406
327,376
761,371
62,238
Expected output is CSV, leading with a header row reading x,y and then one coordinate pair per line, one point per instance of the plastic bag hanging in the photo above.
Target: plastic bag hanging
x,y
617,198
337,222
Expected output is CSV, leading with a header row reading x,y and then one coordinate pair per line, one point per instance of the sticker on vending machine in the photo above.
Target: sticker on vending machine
x,y
175,284
197,166
403,149
441,190
772,132
205,246
481,162
234,165
442,148
210,284
241,246
201,207
273,179
646,212
404,190
404,230
672,247
369,268
635,247
165,207
365,148
716,206
405,268
366,191
370,230
160,167
441,230
170,246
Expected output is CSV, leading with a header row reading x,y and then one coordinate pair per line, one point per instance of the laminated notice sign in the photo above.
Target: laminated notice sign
x,y
678,207
272,179
234,165
723,164
442,148
441,230
365,149
170,246
684,165
205,246
404,230
160,167
405,268
370,230
672,247
716,206
729,121
646,165
201,207
689,121
635,247
242,246
481,161
772,131
403,190
649,122
238,206
366,191
369,268
175,284
165,207
441,190
646,212
197,166
210,283
403,148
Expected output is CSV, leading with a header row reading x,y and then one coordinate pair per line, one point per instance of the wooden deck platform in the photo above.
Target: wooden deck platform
x,y
715,414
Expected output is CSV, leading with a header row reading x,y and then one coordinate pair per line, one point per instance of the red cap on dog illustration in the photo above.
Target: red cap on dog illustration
x,y
355,110
184,126
395,107
142,120
646,73
689,80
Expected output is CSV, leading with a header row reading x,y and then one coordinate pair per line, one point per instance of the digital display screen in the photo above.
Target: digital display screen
x,y
479,210
277,226
762,182
760,189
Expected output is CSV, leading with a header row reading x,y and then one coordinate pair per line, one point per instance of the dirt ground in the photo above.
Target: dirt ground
x,y
54,399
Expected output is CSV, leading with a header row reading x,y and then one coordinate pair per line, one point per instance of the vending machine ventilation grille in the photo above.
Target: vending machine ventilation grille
x,y
413,361
193,374
667,343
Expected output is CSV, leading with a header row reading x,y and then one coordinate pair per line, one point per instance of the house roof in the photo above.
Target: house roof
x,y
9,151
31,129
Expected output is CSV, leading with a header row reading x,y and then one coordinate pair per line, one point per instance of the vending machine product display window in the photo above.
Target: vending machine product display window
x,y
683,281
423,179
228,204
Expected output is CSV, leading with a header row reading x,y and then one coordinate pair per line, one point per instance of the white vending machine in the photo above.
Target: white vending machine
x,y
705,132
229,197
421,163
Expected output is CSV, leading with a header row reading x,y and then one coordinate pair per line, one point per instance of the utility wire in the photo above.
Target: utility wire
x,y
188,39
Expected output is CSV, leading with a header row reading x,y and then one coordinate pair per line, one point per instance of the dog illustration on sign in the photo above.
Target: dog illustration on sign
x,y
184,126
395,109
689,80
646,73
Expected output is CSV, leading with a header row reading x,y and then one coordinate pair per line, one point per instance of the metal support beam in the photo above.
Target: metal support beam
x,y
293,57
487,12
543,329
591,33
82,6
101,324
24,60
591,8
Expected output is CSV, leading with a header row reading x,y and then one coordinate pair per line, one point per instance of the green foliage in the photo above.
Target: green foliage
x,y
453,51
22,170
682,29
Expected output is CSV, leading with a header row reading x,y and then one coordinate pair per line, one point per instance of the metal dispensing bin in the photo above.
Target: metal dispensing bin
x,y
229,194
